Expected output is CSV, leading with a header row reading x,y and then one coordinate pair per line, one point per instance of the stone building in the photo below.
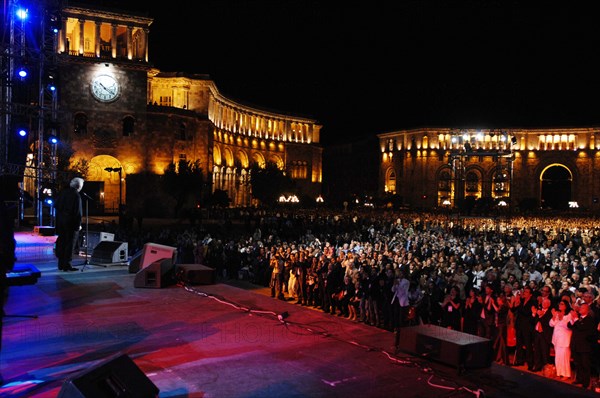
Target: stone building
x,y
547,168
119,113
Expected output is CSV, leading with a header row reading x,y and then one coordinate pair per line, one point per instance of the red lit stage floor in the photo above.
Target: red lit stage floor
x,y
218,340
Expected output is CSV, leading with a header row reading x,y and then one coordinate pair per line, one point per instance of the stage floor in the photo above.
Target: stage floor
x,y
227,339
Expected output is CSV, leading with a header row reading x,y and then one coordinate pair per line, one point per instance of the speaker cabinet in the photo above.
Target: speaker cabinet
x,y
451,347
109,252
157,275
153,252
95,237
117,377
196,274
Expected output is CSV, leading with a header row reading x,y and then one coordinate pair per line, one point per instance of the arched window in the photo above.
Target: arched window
x,y
390,182
472,182
444,183
128,126
80,122
181,132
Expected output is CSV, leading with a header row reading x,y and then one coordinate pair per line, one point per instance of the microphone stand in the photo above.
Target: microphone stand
x,y
87,232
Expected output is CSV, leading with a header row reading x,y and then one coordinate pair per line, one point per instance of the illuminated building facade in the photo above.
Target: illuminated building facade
x,y
118,112
552,168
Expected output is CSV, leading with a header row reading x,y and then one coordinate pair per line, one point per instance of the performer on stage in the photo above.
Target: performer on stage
x,y
68,223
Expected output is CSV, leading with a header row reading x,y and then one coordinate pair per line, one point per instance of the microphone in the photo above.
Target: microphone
x,y
85,195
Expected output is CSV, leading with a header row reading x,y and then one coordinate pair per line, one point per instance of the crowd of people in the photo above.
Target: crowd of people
x,y
529,285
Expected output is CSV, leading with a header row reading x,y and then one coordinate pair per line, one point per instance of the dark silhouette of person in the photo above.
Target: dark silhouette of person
x,y
68,223
583,339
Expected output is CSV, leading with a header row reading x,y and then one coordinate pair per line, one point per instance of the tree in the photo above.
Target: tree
x,y
220,199
269,183
183,182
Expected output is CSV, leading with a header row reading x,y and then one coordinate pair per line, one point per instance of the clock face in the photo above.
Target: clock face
x,y
105,88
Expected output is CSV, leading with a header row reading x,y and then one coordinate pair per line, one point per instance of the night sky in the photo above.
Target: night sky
x,y
373,67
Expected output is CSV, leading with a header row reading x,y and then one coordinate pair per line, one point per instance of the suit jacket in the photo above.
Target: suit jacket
x,y
524,320
68,210
584,334
544,321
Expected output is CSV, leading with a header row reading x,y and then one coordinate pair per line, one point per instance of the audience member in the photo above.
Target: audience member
x,y
561,339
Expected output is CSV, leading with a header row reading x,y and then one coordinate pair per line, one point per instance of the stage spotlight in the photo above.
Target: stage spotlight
x,y
22,72
22,132
53,139
22,13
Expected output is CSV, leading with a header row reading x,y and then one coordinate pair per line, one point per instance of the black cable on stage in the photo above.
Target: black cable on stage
x,y
281,317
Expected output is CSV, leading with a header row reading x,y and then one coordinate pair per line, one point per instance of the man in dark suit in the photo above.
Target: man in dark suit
x,y
522,254
583,339
68,223
524,304
542,339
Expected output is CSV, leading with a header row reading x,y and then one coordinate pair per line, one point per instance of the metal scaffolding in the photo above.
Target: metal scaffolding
x,y
29,42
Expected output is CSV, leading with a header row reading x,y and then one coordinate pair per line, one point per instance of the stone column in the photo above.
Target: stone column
x,y
62,38
129,42
81,36
113,40
146,36
97,39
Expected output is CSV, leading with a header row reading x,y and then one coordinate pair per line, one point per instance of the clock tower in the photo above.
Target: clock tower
x,y
103,62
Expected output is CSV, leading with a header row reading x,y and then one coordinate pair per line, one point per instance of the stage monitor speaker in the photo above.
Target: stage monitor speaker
x,y
157,275
153,252
117,377
110,252
95,237
196,274
454,348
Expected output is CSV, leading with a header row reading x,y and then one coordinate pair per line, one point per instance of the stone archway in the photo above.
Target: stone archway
x,y
556,182
105,186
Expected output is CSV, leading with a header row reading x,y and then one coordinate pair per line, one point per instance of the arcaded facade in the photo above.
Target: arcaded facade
x,y
553,168
119,112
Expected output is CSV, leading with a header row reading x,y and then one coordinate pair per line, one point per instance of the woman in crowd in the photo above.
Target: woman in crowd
x,y
561,339
501,307
472,312
452,310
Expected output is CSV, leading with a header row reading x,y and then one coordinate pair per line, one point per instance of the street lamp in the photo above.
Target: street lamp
x,y
117,170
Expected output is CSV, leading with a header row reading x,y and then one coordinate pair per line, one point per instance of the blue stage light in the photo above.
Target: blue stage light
x,y
22,132
22,13
52,139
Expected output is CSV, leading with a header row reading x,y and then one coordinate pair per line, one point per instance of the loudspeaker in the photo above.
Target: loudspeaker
x,y
157,275
108,252
154,252
196,274
94,238
117,377
454,348
44,231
